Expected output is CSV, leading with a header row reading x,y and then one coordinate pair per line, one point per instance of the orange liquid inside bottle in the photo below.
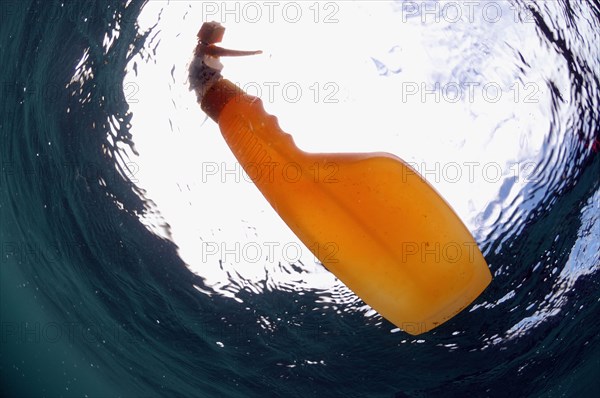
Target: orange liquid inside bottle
x,y
370,218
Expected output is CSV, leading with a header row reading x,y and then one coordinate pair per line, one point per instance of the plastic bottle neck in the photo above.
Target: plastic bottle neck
x,y
219,95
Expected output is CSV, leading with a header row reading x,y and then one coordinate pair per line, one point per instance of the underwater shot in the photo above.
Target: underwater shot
x,y
428,224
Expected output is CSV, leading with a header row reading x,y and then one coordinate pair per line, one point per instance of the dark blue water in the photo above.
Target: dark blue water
x,y
94,304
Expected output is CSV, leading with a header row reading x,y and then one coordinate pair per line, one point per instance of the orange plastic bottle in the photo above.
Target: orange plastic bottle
x,y
369,218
